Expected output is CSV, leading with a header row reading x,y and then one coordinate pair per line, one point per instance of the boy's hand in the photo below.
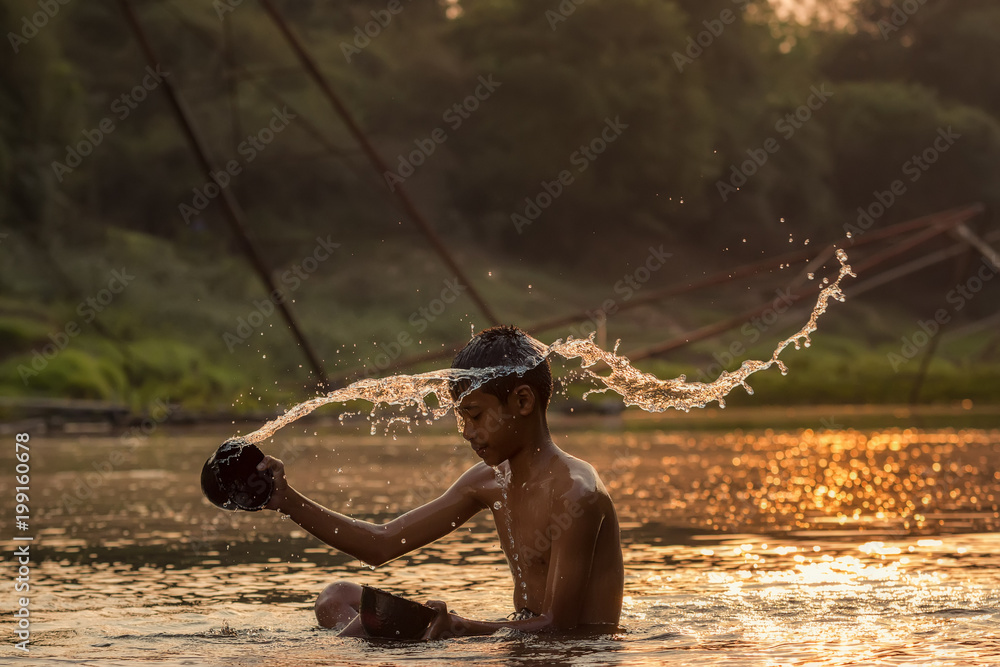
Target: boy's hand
x,y
280,492
446,625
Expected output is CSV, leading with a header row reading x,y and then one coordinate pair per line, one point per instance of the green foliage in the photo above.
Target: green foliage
x,y
877,129
18,334
72,373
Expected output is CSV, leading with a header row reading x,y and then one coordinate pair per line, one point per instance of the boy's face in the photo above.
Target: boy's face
x,y
490,426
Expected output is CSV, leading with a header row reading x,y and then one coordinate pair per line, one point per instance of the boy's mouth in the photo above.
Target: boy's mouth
x,y
481,451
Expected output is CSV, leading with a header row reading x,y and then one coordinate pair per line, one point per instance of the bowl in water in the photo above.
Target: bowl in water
x,y
230,479
388,616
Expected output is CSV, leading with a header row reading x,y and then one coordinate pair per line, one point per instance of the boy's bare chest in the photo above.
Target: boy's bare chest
x,y
530,525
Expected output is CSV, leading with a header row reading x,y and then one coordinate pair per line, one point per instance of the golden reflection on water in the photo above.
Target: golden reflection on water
x,y
907,479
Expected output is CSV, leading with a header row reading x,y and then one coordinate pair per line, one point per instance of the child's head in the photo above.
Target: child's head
x,y
507,346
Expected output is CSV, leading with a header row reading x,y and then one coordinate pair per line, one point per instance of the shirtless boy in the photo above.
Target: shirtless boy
x,y
565,530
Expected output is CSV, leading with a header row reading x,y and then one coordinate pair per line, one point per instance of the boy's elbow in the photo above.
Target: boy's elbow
x,y
381,549
375,555
374,561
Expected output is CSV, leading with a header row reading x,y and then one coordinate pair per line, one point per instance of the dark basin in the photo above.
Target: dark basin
x,y
230,479
388,616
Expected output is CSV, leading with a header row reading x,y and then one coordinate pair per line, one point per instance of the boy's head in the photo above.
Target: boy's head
x,y
507,346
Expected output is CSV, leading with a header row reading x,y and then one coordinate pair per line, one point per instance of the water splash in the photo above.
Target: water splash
x,y
655,395
398,390
634,386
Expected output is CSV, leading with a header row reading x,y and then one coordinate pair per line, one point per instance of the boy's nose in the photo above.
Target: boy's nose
x,y
468,431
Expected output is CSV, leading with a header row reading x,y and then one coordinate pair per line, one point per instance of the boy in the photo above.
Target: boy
x,y
563,546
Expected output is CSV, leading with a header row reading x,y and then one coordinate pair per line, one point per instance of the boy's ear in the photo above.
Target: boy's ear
x,y
522,400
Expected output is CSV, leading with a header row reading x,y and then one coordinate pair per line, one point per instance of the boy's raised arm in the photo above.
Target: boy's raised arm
x,y
372,543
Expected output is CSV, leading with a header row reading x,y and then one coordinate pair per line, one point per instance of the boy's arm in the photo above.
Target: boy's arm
x,y
571,557
371,543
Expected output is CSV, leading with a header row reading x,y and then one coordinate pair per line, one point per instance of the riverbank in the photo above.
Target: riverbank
x,y
95,418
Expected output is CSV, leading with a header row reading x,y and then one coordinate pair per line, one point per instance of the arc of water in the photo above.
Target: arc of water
x,y
634,386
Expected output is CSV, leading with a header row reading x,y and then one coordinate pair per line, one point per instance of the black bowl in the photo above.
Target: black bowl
x,y
231,481
388,616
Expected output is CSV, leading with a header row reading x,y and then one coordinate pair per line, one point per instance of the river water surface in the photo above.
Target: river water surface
x,y
792,547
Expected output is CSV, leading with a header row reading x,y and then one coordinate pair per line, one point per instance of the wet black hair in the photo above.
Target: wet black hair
x,y
506,345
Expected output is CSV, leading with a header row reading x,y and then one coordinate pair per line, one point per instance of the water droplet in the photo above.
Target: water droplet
x,y
403,541
496,505
452,524
810,275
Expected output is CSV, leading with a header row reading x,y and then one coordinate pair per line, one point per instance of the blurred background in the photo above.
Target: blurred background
x,y
671,173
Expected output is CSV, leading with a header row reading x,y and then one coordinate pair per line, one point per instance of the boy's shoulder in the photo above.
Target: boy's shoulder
x,y
478,477
578,480
569,479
